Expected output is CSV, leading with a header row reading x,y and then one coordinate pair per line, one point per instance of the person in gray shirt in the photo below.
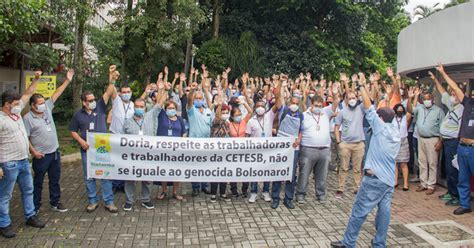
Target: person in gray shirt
x,y
350,138
44,146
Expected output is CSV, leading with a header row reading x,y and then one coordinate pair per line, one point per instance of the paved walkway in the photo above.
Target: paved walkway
x,y
198,223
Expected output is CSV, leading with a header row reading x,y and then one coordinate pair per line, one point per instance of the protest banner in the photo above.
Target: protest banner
x,y
172,159
46,85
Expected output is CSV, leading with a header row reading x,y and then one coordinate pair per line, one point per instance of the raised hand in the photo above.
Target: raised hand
x,y
176,75
390,72
192,70
362,79
376,76
160,76
166,70
440,68
70,74
432,76
343,77
354,78
301,76
411,92
182,77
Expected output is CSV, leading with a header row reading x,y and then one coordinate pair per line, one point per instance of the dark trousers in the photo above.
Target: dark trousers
x,y
411,162
245,188
222,188
450,147
51,164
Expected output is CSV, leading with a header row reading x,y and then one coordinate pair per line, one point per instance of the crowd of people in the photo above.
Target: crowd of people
x,y
373,127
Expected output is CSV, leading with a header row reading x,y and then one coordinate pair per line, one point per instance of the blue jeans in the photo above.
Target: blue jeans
x,y
372,192
51,164
200,186
289,185
254,187
466,170
16,171
91,187
450,149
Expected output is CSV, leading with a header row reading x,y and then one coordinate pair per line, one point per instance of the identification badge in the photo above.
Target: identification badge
x,y
471,123
263,134
140,132
48,128
317,127
91,126
170,132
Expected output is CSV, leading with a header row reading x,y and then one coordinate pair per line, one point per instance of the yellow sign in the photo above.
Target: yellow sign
x,y
46,86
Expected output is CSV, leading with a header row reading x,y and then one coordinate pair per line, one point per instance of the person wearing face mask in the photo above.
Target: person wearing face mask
x,y
428,122
449,131
122,109
261,125
200,121
289,126
92,118
136,126
401,121
350,139
177,93
315,148
14,165
170,125
44,146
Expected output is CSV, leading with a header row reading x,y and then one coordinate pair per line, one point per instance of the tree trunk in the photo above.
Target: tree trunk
x,y
189,54
126,40
78,61
215,19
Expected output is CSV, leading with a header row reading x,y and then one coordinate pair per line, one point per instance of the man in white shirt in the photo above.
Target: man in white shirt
x,y
122,109
315,153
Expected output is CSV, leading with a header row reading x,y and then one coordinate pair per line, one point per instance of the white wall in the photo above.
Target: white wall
x,y
446,36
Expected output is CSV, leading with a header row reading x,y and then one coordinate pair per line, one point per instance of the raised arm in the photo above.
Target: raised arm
x,y
278,101
60,89
111,91
451,82
439,87
31,89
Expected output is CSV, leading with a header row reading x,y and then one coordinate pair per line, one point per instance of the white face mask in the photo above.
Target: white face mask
x,y
352,102
294,107
16,110
260,110
92,105
126,97
41,108
453,101
225,117
428,103
214,92
316,110
311,95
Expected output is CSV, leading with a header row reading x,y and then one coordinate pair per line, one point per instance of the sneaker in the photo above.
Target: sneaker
x,y
148,205
236,194
452,203
421,188
322,200
59,208
111,208
7,232
225,198
127,207
34,221
245,195
206,191
275,204
415,180
445,197
337,244
461,210
253,197
266,197
91,207
213,198
300,199
339,194
289,204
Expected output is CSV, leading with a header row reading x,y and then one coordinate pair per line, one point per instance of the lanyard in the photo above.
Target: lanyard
x,y
238,129
139,123
398,122
126,109
262,124
319,118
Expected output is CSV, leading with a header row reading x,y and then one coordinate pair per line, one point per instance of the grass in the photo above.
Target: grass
x,y
67,145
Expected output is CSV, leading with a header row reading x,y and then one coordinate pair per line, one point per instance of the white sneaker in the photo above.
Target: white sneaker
x,y
266,197
253,197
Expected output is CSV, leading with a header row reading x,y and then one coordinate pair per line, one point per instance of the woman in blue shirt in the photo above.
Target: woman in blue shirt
x,y
171,125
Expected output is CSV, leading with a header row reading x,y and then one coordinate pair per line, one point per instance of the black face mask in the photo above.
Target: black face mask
x,y
399,113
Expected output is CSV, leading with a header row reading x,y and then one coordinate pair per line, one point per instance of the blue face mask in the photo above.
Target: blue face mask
x,y
171,112
198,103
237,119
139,112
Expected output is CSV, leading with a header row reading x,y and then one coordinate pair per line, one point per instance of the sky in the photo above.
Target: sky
x,y
413,3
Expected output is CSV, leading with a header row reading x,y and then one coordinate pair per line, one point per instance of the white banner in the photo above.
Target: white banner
x,y
172,159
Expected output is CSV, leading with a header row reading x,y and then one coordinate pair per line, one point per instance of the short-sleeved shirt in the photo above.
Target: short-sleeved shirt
x,y
200,123
384,146
261,127
13,138
120,112
316,129
164,124
81,121
428,120
42,130
351,120
452,121
238,129
467,123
